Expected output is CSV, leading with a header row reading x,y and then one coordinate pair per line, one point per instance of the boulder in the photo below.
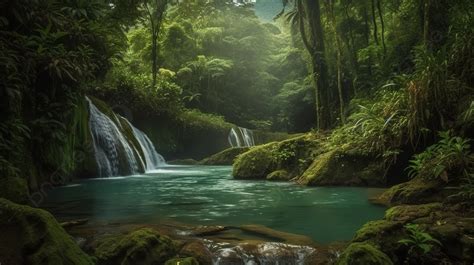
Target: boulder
x,y
32,236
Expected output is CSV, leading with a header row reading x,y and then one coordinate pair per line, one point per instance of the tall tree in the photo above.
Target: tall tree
x,y
155,10
382,25
307,14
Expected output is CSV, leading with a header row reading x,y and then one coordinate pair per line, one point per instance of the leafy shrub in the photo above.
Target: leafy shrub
x,y
450,156
418,240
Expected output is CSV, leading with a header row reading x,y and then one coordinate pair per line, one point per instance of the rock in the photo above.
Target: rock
x,y
224,158
292,155
141,247
72,223
14,189
198,250
415,191
406,213
277,235
32,236
279,175
363,254
377,230
338,167
207,230
182,261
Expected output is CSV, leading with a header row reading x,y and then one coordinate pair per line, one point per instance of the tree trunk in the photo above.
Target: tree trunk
x,y
338,59
374,21
382,25
154,51
311,9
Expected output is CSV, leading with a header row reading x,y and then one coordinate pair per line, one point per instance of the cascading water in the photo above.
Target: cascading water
x,y
242,137
152,158
114,154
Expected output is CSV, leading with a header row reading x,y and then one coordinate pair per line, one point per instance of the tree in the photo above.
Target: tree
x,y
307,14
155,12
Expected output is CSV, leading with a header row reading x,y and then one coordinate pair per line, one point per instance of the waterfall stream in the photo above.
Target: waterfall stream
x,y
115,153
242,137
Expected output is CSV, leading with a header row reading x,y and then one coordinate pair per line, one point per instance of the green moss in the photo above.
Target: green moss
x,y
182,261
415,191
14,189
143,246
363,254
278,175
406,213
256,163
292,155
33,236
377,230
225,157
338,167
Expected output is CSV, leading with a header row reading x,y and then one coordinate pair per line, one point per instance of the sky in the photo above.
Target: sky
x,y
268,9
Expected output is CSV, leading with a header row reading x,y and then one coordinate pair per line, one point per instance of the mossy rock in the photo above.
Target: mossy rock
x,y
363,254
338,167
292,155
182,261
279,175
257,163
415,191
32,236
141,247
377,230
225,157
14,189
198,250
406,213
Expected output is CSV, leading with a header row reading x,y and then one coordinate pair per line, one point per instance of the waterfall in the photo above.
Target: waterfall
x,y
115,154
242,137
152,158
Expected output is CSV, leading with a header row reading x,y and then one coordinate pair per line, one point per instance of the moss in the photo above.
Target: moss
x,y
278,175
225,157
198,250
292,155
143,246
363,254
33,236
257,163
415,191
338,167
377,230
406,213
14,189
182,261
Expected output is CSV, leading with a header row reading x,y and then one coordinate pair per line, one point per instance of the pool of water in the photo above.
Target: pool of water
x,y
209,196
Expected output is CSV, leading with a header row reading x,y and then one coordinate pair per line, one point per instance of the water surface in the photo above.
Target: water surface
x,y
209,196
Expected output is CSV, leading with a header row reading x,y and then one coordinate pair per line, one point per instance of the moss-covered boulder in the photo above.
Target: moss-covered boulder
x,y
32,236
182,261
225,157
292,155
338,167
406,213
198,250
141,247
14,189
415,191
363,254
279,175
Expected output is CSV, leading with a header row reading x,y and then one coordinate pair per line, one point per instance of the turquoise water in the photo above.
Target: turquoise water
x,y
209,196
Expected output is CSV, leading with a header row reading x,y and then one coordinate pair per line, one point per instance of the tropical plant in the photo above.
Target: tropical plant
x,y
418,241
450,157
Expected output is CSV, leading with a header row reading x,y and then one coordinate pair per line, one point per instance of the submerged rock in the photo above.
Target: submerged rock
x,y
225,157
141,247
32,236
277,235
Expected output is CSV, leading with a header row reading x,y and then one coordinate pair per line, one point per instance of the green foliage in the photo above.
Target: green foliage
x,y
448,158
419,242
